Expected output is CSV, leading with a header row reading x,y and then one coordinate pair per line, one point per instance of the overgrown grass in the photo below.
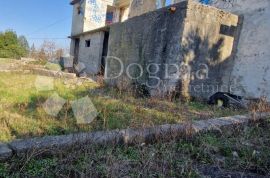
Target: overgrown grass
x,y
244,150
53,66
22,114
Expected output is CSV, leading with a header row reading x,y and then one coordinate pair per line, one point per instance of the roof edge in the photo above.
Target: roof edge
x,y
105,28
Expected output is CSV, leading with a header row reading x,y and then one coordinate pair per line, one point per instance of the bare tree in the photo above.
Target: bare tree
x,y
47,51
49,48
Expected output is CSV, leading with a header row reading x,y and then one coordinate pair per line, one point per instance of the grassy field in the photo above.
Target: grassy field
x,y
22,114
243,152
7,61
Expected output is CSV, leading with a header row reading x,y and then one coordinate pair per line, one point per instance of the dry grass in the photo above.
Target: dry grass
x,y
22,114
245,150
7,61
241,152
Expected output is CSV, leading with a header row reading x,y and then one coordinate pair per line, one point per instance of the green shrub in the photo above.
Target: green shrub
x,y
11,46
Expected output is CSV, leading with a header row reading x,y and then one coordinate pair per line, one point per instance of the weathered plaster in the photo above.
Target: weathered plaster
x,y
77,20
139,7
190,35
91,56
206,46
248,76
95,13
251,74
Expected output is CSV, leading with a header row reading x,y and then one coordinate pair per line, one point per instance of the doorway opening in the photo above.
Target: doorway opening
x,y
104,52
76,50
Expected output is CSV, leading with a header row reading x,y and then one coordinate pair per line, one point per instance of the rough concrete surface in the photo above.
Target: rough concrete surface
x,y
243,62
250,71
91,56
54,144
195,36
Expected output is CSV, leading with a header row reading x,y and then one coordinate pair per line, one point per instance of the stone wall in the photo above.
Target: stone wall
x,y
193,36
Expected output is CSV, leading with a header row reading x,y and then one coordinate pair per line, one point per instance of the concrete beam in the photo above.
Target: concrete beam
x,y
56,144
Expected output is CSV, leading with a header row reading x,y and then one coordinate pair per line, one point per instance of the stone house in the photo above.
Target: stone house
x,y
223,51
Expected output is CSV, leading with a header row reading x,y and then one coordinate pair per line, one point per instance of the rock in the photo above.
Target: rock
x,y
5,152
255,154
235,154
50,73
83,74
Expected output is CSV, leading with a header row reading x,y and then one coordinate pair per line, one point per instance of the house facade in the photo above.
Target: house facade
x,y
135,31
90,27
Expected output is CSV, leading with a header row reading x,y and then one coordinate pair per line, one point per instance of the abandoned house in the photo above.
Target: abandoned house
x,y
224,47
90,26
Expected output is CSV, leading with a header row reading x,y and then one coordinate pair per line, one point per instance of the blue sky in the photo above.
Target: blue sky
x,y
38,19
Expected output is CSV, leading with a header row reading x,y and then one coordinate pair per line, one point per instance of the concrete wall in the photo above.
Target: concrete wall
x,y
91,56
71,48
139,7
251,72
95,13
77,20
209,37
249,75
124,14
152,38
93,16
188,37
